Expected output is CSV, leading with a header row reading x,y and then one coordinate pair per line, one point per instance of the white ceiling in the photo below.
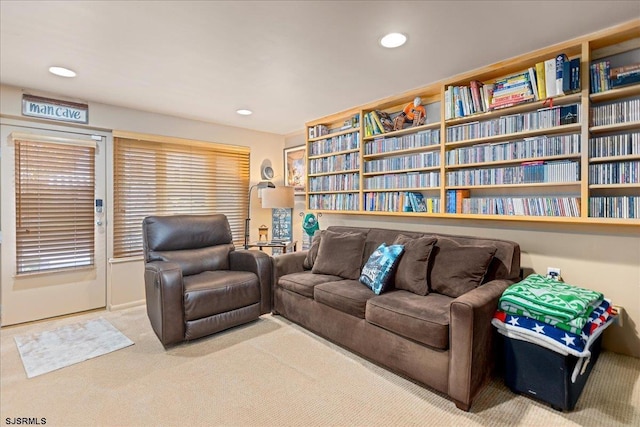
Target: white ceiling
x,y
288,61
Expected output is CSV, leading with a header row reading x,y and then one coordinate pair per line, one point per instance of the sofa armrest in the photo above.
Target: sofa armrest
x,y
164,292
471,339
258,263
291,262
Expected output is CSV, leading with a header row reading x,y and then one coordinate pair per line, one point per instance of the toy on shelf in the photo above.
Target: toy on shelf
x,y
414,112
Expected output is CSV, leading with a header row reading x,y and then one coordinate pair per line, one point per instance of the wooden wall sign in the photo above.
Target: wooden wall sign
x,y
53,109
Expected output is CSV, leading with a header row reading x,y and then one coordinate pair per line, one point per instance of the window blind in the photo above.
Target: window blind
x,y
164,178
55,187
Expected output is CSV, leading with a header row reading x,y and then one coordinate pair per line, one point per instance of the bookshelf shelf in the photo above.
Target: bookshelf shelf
x,y
389,172
574,127
521,108
531,185
613,186
409,130
331,135
614,158
335,153
399,189
615,127
576,152
333,192
618,93
335,172
511,162
402,152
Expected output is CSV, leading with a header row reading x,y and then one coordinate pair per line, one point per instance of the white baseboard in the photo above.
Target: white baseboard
x,y
126,305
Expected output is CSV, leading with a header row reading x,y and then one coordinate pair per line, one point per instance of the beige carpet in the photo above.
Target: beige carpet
x,y
273,373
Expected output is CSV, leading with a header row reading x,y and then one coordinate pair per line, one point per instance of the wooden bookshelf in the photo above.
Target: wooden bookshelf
x,y
578,190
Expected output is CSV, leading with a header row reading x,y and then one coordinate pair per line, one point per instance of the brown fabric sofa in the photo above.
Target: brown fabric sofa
x,y
441,341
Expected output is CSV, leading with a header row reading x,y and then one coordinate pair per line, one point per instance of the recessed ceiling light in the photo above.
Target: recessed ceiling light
x,y
244,112
62,72
392,40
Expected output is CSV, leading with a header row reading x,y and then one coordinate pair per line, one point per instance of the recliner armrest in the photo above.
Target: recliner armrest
x,y
164,291
471,340
259,263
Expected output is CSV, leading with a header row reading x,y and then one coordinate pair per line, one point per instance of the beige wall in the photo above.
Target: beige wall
x,y
603,258
125,285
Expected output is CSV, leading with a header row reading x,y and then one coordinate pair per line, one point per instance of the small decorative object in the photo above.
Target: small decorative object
x,y
263,231
310,224
295,168
414,112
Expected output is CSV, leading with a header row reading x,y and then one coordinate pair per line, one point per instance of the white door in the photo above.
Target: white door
x,y
39,282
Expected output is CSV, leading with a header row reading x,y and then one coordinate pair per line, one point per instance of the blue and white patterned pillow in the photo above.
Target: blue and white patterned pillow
x,y
377,272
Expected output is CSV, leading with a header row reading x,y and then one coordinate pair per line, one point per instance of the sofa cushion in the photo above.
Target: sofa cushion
x,y
411,273
312,253
348,296
377,273
304,282
340,254
457,269
214,292
424,319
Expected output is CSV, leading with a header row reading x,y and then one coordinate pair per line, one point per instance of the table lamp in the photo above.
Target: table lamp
x,y
281,200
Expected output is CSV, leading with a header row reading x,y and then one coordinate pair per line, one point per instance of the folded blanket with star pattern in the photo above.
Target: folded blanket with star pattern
x,y
553,338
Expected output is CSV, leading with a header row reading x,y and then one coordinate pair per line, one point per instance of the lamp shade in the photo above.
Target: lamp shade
x,y
279,197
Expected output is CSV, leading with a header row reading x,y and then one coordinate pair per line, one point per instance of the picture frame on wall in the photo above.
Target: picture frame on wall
x,y
295,168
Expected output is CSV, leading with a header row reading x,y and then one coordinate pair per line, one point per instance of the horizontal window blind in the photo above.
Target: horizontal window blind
x,y
166,178
55,188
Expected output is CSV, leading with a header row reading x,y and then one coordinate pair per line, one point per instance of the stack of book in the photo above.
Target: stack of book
x,y
377,122
604,78
622,76
557,76
461,101
513,90
547,79
318,131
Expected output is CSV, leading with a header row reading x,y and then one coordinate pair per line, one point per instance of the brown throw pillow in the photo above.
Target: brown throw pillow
x,y
340,254
312,254
457,269
411,273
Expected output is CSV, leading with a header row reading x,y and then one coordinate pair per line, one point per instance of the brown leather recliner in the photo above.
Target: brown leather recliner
x,y
196,283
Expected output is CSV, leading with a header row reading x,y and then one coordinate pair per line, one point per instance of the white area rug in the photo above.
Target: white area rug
x,y
47,351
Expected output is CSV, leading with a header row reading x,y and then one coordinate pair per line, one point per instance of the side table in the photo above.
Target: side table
x,y
285,246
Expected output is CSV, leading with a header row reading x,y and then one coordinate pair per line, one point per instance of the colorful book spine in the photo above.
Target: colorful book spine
x,y
540,76
560,76
550,77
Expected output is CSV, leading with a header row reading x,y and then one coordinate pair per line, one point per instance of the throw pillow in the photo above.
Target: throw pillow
x,y
312,253
457,269
411,273
340,254
378,270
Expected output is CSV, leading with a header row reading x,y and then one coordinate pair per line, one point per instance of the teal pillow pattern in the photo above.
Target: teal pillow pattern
x,y
377,272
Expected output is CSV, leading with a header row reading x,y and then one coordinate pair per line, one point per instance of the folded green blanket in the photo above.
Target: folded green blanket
x,y
559,304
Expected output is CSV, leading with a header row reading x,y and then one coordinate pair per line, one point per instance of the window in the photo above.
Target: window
x,y
55,187
166,176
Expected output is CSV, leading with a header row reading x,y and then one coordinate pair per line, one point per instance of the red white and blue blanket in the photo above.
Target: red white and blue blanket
x,y
553,338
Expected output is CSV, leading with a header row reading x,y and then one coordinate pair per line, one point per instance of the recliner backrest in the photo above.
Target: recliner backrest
x,y
196,242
